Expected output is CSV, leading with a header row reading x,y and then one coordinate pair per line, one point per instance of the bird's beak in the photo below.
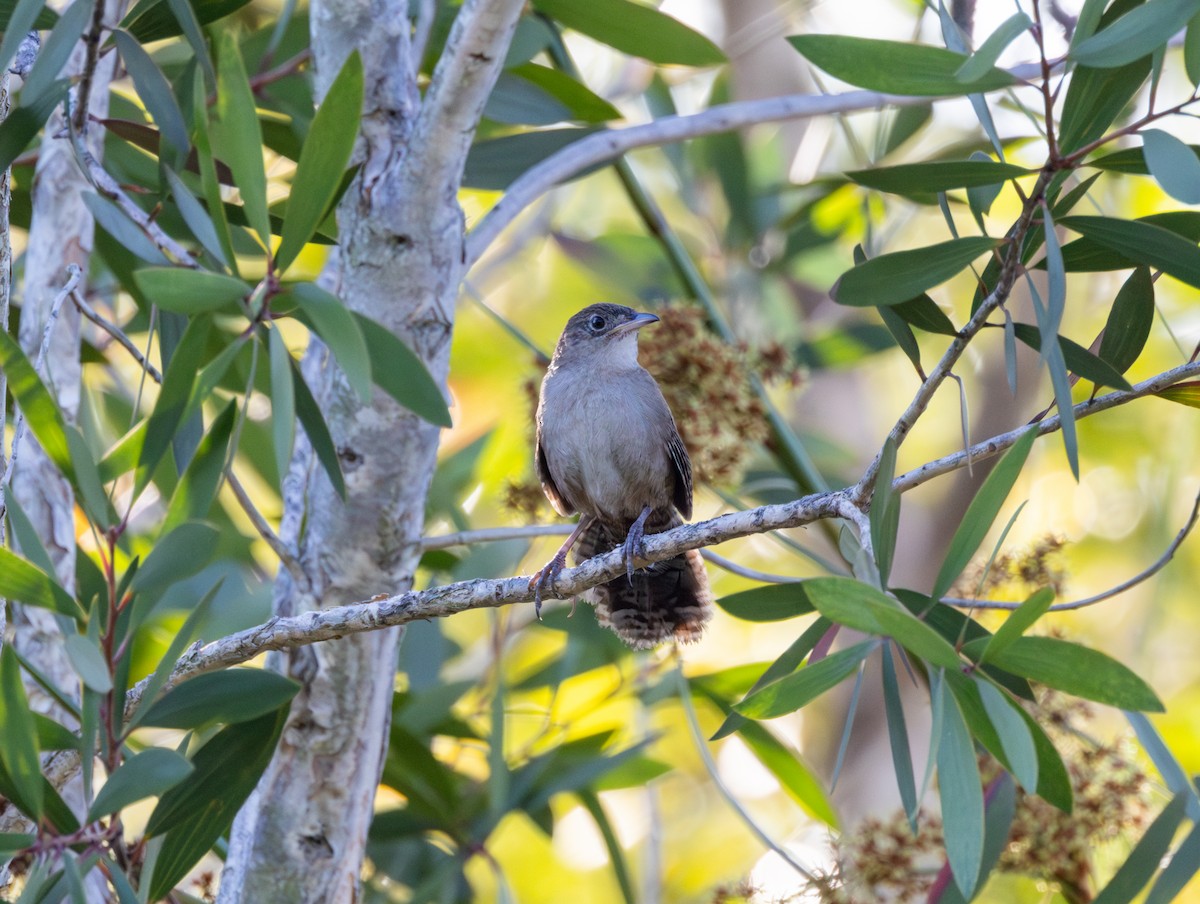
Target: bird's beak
x,y
638,321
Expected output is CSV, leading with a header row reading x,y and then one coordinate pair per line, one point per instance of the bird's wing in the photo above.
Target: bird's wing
x,y
682,465
549,487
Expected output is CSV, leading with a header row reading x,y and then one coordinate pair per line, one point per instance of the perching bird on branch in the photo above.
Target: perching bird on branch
x,y
607,447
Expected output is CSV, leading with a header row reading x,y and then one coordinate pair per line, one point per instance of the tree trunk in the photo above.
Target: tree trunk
x,y
301,835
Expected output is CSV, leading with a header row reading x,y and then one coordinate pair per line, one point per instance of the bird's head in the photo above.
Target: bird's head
x,y
603,333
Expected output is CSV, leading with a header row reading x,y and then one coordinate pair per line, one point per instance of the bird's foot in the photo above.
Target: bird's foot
x,y
635,542
544,580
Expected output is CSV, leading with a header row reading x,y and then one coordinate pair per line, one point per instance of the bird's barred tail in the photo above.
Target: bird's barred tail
x,y
668,600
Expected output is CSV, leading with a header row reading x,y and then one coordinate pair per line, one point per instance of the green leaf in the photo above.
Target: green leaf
x,y
397,370
21,581
57,48
494,164
580,102
114,221
155,93
1185,862
153,20
800,688
179,554
1145,243
1075,669
335,324
1018,623
283,404
148,774
616,854
1014,735
88,662
515,101
18,739
173,398
1078,359
902,275
1184,393
885,512
190,291
895,67
787,662
1139,32
23,123
634,29
1165,762
1191,50
1142,863
898,739
53,736
923,313
210,183
12,842
196,813
962,798
313,422
1129,321
196,217
1173,164
918,178
323,160
229,696
40,410
983,59
862,607
1095,98
237,136
982,512
773,602
196,490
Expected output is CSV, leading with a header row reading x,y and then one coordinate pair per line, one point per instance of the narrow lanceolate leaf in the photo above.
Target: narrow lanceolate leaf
x,y
88,663
179,554
18,738
234,695
113,220
1077,358
36,403
172,400
636,30
773,602
190,291
902,275
1075,669
1173,165
333,322
237,136
22,582
155,92
982,512
196,491
898,737
1056,277
1095,98
1142,863
1185,863
885,512
983,59
1171,770
1134,35
797,690
1191,50
1014,734
196,217
919,178
1018,623
148,774
397,370
1144,243
1183,393
313,422
195,813
23,123
862,607
323,160
283,403
923,313
962,798
895,67
1129,321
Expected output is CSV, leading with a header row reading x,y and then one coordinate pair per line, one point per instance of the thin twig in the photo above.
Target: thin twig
x,y
1138,578
714,774
116,333
92,43
286,556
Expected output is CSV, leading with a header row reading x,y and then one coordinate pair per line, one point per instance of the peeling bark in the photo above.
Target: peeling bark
x,y
301,836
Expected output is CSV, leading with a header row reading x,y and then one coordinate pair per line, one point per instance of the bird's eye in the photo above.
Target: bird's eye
x,y
596,323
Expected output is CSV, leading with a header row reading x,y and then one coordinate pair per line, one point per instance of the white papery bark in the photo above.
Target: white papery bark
x,y
301,835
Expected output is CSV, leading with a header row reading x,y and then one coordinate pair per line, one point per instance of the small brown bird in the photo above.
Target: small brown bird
x,y
607,447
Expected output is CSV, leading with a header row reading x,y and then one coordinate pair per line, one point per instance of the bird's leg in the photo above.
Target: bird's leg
x,y
547,575
635,542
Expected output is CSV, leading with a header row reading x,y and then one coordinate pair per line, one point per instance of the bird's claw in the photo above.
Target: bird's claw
x,y
635,547
544,580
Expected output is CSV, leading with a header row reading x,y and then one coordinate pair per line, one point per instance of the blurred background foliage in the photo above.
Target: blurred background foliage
x,y
544,761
